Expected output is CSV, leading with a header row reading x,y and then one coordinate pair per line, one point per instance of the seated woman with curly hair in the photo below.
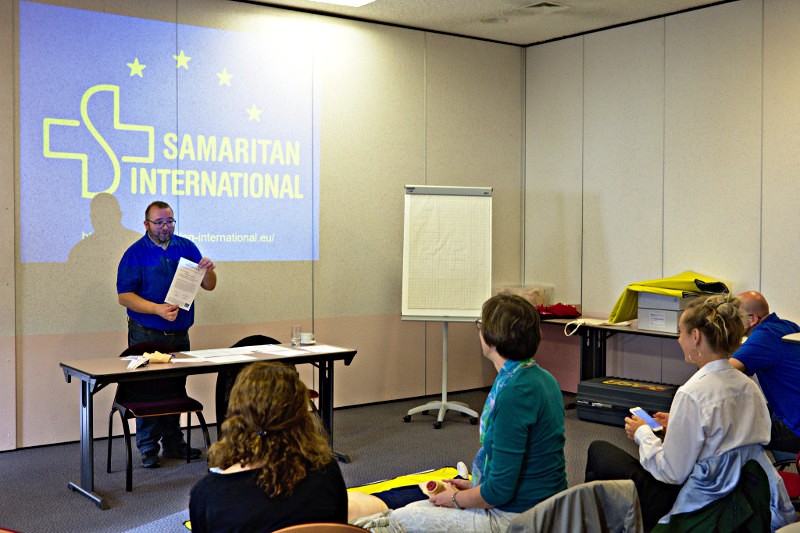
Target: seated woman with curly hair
x,y
272,468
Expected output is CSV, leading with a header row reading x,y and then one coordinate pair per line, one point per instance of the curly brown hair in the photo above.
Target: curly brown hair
x,y
269,426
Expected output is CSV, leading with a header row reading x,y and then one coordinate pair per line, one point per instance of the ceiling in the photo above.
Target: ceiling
x,y
518,22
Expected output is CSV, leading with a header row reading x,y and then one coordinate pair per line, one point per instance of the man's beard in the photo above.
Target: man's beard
x,y
160,238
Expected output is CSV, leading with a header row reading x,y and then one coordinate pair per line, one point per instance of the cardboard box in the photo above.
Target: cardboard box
x,y
650,300
659,312
537,294
659,320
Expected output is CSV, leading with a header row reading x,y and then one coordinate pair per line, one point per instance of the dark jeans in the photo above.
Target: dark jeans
x,y
606,461
401,496
783,439
167,429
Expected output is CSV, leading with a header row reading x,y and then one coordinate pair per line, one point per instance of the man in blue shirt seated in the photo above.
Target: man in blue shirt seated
x,y
144,276
776,363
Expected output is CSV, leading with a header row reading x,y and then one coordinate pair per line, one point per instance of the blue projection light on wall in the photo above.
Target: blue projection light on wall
x,y
220,124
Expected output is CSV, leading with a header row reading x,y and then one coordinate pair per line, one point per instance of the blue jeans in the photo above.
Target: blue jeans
x,y
167,428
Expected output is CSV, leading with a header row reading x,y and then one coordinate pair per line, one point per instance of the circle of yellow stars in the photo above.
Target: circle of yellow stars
x,y
182,61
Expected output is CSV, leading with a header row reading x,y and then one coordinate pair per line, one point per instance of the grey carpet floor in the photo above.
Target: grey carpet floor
x,y
33,482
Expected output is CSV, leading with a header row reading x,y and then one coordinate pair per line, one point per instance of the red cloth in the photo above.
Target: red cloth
x,y
792,482
558,310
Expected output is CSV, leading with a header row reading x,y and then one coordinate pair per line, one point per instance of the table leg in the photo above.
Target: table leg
x,y
600,353
326,405
86,486
326,397
593,353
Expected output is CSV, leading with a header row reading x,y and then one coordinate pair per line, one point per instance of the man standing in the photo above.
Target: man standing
x,y
143,279
776,364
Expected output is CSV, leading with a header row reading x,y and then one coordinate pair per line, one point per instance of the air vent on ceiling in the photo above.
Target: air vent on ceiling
x,y
544,7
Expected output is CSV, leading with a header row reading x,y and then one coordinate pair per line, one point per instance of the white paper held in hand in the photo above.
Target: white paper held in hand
x,y
185,284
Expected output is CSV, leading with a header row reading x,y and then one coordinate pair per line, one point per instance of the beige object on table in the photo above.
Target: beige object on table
x,y
158,357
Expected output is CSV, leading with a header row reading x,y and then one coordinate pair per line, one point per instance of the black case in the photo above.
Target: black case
x,y
608,400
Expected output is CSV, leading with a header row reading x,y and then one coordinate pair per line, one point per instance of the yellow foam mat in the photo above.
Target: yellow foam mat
x,y
400,481
409,479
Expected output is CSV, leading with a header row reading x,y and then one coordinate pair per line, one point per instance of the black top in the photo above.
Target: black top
x,y
235,502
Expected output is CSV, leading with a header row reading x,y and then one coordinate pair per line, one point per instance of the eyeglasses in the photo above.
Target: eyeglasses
x,y
753,314
478,324
168,222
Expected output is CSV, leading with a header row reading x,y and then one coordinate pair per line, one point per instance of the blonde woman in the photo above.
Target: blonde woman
x,y
718,421
272,468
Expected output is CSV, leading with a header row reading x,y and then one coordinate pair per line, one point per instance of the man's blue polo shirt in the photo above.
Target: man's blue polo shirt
x,y
147,270
777,365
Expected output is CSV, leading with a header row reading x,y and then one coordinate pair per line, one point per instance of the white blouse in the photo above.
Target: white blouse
x,y
718,409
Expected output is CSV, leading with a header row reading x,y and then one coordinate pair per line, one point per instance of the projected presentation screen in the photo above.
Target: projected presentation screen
x,y
219,124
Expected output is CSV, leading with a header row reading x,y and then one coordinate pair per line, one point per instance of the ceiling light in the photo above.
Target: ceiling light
x,y
349,3
544,7
494,20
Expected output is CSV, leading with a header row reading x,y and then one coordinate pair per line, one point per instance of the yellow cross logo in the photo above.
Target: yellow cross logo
x,y
48,123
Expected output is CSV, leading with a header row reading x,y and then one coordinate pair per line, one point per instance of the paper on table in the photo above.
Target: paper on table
x,y
185,284
233,358
220,352
280,350
322,348
271,348
267,348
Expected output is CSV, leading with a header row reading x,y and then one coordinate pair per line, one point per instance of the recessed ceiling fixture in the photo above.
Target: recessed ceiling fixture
x,y
494,20
349,3
544,7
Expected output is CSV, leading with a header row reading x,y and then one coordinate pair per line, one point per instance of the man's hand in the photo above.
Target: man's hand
x,y
210,279
167,311
206,263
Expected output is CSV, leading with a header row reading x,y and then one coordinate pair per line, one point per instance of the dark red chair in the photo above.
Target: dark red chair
x,y
790,479
156,397
226,378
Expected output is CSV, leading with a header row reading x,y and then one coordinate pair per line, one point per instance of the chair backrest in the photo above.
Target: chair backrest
x,y
320,528
255,340
596,506
151,389
225,378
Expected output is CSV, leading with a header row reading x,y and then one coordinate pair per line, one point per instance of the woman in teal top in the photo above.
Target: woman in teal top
x,y
521,459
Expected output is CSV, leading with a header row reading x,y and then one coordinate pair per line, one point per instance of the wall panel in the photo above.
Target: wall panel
x,y
669,175
622,161
553,167
712,160
473,138
780,237
8,351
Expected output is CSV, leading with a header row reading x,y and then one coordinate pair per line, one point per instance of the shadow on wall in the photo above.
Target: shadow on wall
x,y
90,273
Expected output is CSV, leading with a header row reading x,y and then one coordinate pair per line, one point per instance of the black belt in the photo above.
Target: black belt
x,y
166,333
